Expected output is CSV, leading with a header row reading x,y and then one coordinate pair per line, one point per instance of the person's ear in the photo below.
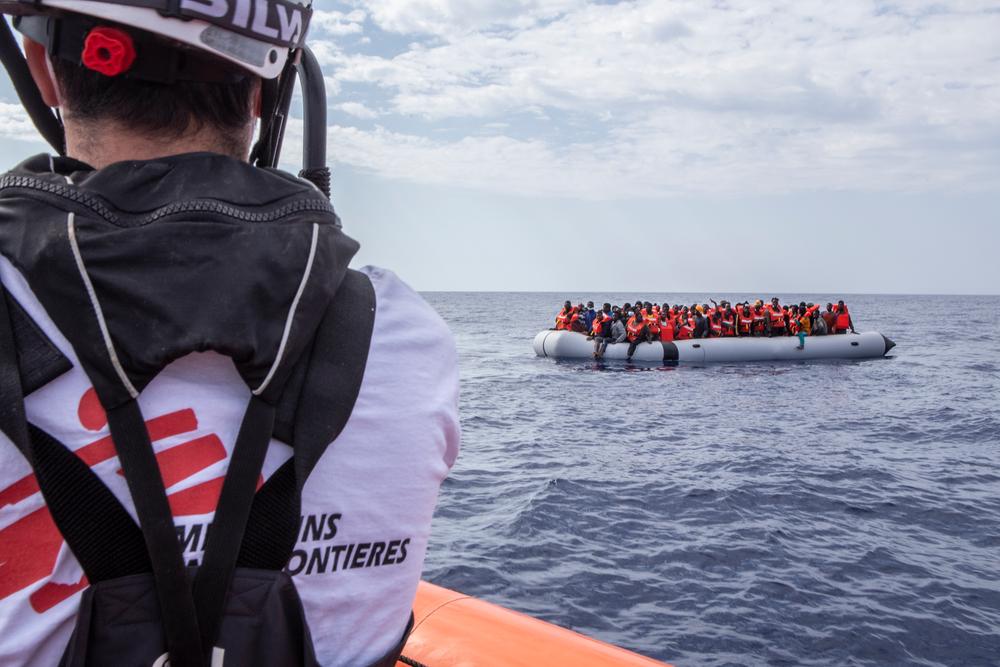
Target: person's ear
x,y
38,63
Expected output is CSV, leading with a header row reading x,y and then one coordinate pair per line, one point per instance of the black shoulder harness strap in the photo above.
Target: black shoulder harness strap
x,y
256,530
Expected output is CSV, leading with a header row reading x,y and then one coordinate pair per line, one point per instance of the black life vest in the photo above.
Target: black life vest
x,y
142,263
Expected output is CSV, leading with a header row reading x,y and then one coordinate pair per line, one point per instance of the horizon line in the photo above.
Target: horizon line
x,y
493,291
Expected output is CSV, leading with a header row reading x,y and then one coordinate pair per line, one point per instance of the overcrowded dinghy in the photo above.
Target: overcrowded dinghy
x,y
573,345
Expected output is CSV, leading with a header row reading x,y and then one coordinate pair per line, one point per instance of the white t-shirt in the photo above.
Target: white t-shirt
x,y
366,508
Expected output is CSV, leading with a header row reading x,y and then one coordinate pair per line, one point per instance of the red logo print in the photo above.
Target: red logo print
x,y
29,548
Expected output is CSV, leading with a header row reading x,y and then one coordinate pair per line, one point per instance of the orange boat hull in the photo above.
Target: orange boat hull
x,y
455,630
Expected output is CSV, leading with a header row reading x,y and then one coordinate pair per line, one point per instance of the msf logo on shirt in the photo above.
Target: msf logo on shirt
x,y
30,547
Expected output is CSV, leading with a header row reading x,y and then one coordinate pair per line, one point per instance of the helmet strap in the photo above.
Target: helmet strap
x,y
276,99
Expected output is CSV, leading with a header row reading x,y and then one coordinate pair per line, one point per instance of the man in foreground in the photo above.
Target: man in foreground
x,y
159,289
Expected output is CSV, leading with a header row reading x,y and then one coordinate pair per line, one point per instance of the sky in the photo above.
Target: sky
x,y
794,146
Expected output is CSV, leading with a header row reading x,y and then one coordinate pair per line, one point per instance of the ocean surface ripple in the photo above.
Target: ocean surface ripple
x,y
825,513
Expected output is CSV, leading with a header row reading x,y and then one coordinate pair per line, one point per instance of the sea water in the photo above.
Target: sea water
x,y
810,513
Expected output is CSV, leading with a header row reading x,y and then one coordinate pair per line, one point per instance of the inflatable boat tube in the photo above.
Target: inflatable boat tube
x,y
454,630
572,345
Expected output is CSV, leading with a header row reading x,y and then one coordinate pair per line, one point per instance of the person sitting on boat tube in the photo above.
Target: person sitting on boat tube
x,y
843,321
700,323
830,317
638,331
619,334
728,320
792,320
714,324
589,315
803,320
744,320
601,330
562,319
576,319
808,317
775,319
819,324
760,317
596,327
684,327
652,317
666,323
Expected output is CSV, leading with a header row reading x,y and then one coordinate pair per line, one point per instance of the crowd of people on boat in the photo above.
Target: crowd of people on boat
x,y
648,322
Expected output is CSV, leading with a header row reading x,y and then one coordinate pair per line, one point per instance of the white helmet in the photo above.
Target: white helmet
x,y
258,35
195,40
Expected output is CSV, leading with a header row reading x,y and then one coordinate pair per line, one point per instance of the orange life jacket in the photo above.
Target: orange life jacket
x,y
843,319
728,325
777,317
715,325
759,317
666,330
635,328
685,328
562,319
744,323
597,328
653,322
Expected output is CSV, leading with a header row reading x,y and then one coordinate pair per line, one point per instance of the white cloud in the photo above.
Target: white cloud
x,y
338,23
685,96
357,110
15,123
449,17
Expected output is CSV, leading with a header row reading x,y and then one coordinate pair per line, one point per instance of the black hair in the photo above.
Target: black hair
x,y
159,109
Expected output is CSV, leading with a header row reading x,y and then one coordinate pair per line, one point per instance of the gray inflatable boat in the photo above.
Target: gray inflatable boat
x,y
572,345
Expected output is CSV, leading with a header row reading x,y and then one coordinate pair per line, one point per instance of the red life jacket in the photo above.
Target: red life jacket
x,y
597,328
715,325
759,318
635,328
685,328
728,325
843,319
777,317
561,320
653,323
744,323
666,330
